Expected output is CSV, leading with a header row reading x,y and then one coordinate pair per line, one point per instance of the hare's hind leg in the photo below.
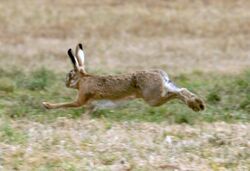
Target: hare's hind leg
x,y
190,99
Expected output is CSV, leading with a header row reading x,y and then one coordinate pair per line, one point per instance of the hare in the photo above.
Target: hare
x,y
153,86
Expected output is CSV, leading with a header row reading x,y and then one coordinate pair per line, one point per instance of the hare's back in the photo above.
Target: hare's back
x,y
111,86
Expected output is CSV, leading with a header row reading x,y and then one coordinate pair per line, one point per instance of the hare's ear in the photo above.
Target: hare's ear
x,y
80,55
73,59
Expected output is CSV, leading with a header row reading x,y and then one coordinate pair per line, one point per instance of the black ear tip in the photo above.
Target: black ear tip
x,y
80,46
70,52
71,56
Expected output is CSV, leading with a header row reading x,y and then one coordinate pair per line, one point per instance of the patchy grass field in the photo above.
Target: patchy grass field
x,y
203,45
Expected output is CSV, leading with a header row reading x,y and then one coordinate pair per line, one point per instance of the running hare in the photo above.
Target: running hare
x,y
153,86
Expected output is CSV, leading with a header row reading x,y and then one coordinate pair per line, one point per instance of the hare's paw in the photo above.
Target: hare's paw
x,y
47,105
196,104
192,100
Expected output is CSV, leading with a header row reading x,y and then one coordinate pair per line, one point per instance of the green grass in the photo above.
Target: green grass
x,y
11,135
227,98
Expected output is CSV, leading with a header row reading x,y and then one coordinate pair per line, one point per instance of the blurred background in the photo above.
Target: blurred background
x,y
202,44
178,36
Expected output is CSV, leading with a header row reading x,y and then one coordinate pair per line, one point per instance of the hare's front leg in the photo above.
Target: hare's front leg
x,y
48,105
80,101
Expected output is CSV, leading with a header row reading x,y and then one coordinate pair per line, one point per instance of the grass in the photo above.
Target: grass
x,y
226,96
203,45
131,35
11,135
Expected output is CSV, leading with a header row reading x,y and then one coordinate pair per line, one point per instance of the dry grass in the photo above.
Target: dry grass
x,y
178,36
100,145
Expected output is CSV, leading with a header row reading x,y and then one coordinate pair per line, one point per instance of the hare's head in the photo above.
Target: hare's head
x,y
74,76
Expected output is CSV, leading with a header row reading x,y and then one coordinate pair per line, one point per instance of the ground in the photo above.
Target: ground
x,y
202,45
83,144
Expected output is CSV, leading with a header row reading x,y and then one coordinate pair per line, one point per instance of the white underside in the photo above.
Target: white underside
x,y
169,85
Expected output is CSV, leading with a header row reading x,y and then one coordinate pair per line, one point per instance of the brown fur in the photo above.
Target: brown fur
x,y
148,85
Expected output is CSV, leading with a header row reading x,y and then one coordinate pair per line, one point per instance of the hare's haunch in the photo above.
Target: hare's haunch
x,y
153,86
